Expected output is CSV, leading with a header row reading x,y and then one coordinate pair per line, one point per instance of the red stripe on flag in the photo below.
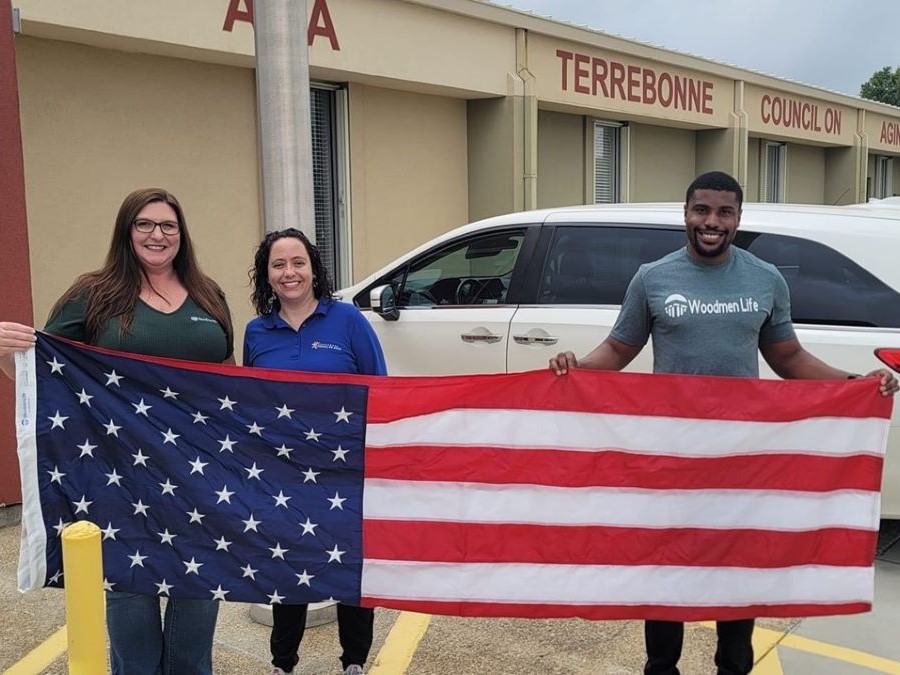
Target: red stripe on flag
x,y
615,612
634,394
564,468
590,545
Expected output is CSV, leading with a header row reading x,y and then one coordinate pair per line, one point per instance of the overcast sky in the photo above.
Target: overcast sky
x,y
835,44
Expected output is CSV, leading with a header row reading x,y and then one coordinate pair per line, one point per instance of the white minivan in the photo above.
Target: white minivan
x,y
507,293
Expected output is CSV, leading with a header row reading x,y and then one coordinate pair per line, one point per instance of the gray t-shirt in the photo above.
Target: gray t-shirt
x,y
706,319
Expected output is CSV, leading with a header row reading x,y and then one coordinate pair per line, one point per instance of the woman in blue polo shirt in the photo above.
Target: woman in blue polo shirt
x,y
300,327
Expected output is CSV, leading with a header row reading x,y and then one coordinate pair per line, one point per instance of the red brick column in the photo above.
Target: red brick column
x,y
15,268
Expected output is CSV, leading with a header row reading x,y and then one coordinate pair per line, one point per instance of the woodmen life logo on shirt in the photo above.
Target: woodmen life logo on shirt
x,y
676,306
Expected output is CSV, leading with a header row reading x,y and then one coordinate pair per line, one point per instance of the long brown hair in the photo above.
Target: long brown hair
x,y
112,291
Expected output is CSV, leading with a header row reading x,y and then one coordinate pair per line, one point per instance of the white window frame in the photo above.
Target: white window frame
x,y
772,171
618,172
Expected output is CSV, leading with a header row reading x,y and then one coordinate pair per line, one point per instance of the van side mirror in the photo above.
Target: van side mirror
x,y
384,302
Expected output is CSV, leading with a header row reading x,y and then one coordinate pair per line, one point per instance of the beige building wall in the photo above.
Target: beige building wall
x,y
661,163
97,124
407,171
805,174
495,148
751,191
561,159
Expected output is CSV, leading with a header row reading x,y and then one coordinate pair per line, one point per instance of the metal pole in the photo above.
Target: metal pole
x,y
282,93
85,615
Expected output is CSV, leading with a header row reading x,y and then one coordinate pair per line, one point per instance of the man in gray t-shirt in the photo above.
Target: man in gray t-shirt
x,y
709,307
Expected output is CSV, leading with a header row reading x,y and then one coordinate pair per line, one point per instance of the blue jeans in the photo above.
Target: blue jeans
x,y
140,644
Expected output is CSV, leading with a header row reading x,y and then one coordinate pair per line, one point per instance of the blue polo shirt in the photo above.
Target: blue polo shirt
x,y
335,338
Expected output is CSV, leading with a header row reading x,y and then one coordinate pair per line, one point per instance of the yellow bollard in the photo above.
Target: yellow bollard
x,y
85,620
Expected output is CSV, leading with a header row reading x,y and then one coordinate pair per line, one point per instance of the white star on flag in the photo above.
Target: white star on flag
x,y
168,393
309,527
278,552
58,421
137,559
163,587
253,471
193,567
334,555
82,505
200,417
84,398
113,478
337,502
219,593
56,475
222,544
227,403
255,429
55,366
342,415
113,378
340,454
227,444
196,516
310,475
284,411
86,448
281,499
311,435
112,429
141,408
166,537
197,466
140,458
224,495
141,508
249,572
168,488
110,532
304,578
169,436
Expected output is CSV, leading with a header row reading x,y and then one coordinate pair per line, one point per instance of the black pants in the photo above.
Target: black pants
x,y
289,622
734,651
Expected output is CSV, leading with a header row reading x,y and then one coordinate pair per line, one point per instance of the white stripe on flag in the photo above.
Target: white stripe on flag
x,y
32,559
615,585
645,434
627,507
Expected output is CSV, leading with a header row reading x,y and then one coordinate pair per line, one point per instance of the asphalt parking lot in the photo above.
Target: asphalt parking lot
x,y
33,637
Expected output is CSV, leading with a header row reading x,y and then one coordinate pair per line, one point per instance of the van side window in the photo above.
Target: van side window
x,y
826,286
589,265
475,270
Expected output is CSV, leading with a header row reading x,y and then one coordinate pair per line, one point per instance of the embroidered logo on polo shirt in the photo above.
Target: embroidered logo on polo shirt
x,y
203,318
326,345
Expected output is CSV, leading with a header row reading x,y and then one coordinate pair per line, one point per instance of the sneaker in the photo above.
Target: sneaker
x,y
279,671
353,669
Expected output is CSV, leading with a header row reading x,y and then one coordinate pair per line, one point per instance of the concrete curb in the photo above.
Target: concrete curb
x,y
319,613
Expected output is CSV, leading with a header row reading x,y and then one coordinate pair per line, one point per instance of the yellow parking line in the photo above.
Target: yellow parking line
x,y
765,639
401,643
40,658
845,654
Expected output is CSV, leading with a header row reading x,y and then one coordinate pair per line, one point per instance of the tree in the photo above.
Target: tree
x,y
883,86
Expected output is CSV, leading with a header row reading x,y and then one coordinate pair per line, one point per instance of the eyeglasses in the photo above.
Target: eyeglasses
x,y
147,226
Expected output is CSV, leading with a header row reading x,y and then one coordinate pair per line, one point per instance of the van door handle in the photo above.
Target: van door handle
x,y
490,338
535,339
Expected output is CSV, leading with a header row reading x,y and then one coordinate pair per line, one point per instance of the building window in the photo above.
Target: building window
x,y
608,146
884,176
772,171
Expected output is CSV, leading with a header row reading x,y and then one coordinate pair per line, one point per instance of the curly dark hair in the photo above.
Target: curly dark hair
x,y
262,296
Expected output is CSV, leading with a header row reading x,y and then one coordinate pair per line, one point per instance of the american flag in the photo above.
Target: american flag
x,y
595,495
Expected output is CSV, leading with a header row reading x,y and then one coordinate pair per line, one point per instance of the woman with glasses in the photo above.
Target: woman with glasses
x,y
149,297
